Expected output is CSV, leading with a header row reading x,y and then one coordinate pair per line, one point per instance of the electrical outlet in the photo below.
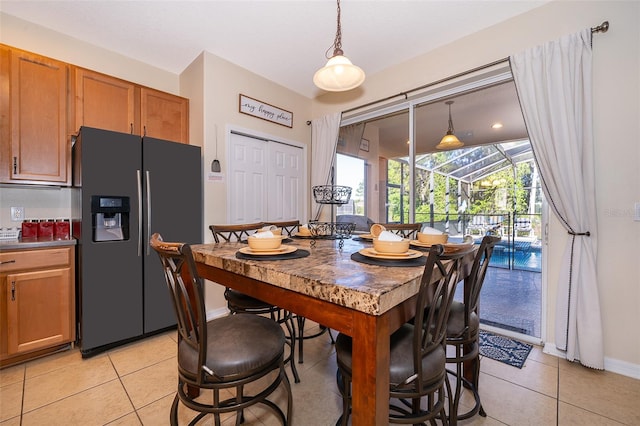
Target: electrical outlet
x,y
17,214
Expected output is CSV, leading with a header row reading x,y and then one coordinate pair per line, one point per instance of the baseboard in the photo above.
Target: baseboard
x,y
217,313
610,364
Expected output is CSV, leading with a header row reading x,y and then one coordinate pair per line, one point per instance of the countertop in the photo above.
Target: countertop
x,y
6,245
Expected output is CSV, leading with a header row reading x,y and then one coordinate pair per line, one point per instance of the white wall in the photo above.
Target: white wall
x,y
616,88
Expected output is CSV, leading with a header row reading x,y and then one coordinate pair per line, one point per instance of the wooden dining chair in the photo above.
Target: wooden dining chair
x,y
290,228
417,361
405,230
233,356
238,302
463,332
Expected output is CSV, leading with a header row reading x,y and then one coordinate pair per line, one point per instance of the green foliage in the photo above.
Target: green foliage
x,y
496,193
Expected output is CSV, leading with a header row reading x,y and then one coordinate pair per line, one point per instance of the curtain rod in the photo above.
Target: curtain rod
x,y
602,28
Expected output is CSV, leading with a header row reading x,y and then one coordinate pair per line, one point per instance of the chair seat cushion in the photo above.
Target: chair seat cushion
x,y
401,360
456,326
238,346
242,301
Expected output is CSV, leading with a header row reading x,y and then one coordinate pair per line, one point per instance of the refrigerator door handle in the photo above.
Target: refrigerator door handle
x,y
148,214
139,212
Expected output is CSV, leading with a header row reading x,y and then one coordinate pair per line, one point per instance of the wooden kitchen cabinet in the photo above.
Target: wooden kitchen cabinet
x,y
35,146
109,103
164,116
37,302
106,102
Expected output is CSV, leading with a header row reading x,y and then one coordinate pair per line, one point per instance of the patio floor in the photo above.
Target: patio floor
x,y
511,296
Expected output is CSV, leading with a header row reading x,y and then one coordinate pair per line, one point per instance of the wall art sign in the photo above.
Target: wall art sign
x,y
265,111
364,145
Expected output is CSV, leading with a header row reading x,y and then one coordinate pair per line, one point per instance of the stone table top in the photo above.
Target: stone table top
x,y
328,273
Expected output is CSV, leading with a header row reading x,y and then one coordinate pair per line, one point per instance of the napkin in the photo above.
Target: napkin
x,y
431,231
265,234
268,228
389,236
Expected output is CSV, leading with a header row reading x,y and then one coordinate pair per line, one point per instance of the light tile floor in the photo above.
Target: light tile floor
x,y
135,385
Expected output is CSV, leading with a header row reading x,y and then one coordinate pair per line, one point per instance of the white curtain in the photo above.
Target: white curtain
x,y
324,138
554,82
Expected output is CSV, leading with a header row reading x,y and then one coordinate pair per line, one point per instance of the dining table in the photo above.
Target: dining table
x,y
325,284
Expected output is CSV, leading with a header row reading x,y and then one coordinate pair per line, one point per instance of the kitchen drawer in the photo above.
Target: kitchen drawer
x,y
34,259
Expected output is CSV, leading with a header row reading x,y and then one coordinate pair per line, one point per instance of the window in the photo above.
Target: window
x,y
351,171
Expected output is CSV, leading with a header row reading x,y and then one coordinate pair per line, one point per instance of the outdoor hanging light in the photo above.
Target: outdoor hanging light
x,y
339,74
449,141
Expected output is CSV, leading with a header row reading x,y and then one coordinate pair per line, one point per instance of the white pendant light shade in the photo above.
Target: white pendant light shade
x,y
338,75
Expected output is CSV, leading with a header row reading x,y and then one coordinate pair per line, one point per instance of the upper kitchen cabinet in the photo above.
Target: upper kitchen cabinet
x,y
108,103
35,147
164,116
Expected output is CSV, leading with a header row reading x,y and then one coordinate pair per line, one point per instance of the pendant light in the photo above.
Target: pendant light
x,y
339,74
449,141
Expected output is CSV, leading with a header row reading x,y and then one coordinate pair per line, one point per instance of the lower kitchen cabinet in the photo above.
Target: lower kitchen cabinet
x,y
37,302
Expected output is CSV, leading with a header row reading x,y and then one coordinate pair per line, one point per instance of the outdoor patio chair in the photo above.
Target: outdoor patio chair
x,y
477,225
523,226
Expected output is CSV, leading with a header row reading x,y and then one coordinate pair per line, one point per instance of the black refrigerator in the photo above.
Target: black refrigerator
x,y
129,187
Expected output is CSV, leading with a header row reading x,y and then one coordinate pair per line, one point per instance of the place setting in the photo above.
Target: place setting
x,y
389,249
429,237
266,245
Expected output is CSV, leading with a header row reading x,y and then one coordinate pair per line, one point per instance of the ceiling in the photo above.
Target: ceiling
x,y
283,41
286,42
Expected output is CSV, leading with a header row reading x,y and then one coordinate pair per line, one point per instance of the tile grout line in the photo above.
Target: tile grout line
x,y
125,390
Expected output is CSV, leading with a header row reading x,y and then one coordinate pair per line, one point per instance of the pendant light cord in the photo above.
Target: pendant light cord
x,y
337,42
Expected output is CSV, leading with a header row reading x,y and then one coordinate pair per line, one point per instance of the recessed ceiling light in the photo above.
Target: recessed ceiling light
x,y
496,126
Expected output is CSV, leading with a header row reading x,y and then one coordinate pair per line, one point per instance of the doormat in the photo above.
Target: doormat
x,y
504,349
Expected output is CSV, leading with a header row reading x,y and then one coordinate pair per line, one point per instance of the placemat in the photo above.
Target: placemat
x,y
419,261
365,240
300,253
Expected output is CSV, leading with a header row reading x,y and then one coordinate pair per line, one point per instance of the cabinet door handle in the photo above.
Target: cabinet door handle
x,y
145,131
13,291
4,262
15,165
131,128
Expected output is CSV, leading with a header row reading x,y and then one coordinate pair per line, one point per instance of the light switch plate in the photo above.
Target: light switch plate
x,y
17,214
636,215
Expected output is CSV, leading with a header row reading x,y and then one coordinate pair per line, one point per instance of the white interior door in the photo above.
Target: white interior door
x,y
266,180
286,177
248,169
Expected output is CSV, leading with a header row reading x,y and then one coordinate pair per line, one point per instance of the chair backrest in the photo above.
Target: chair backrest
x,y
236,232
478,272
434,302
405,230
187,295
289,227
